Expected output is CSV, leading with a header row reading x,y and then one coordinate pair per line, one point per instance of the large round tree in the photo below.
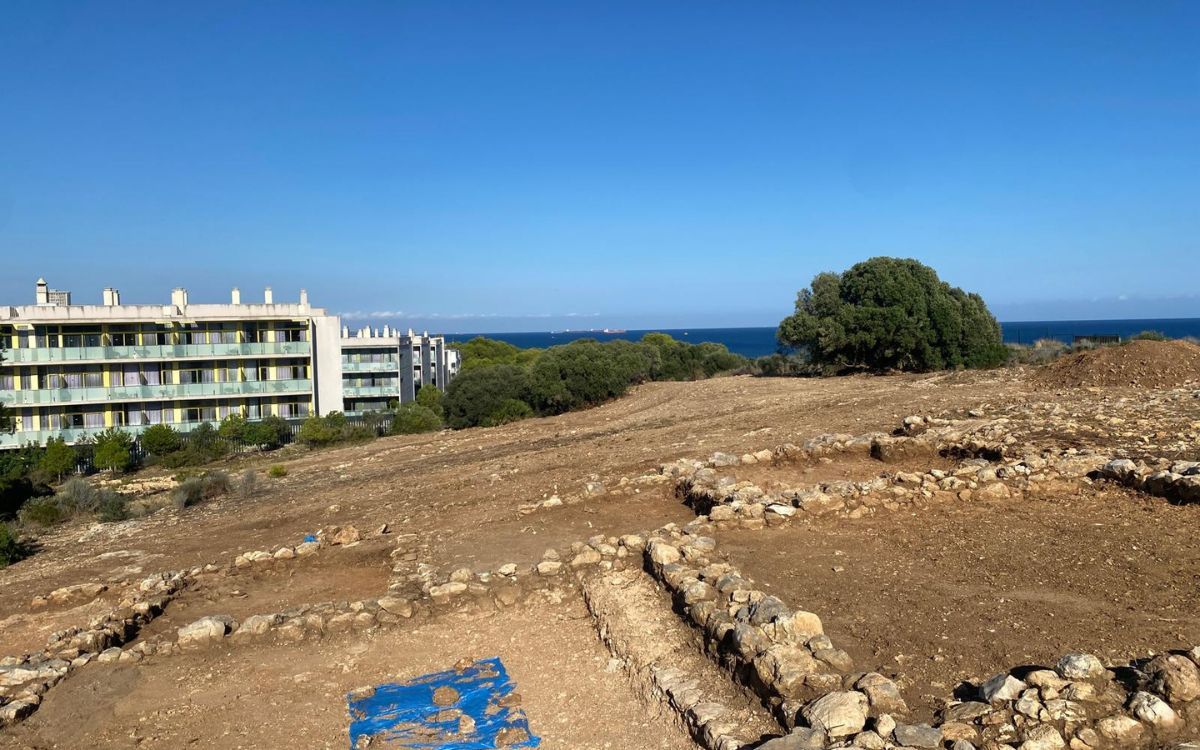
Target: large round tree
x,y
892,314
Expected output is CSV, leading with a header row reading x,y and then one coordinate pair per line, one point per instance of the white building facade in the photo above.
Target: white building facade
x,y
381,367
71,370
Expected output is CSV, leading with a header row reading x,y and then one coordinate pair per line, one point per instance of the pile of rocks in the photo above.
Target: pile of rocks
x,y
1081,704
1177,481
25,680
782,654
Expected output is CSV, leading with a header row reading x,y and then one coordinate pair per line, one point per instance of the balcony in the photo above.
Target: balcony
x,y
84,354
73,434
363,391
169,392
388,366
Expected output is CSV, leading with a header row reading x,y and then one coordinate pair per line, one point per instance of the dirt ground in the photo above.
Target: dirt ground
x,y
937,596
960,592
460,491
289,696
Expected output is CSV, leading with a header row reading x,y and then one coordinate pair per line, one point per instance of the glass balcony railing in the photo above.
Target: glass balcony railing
x,y
40,355
388,366
352,391
73,434
152,392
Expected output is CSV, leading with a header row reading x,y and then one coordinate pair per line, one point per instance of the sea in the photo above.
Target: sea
x,y
759,342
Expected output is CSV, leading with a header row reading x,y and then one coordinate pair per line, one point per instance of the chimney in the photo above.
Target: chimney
x,y
43,292
268,297
386,331
304,297
345,332
112,297
179,297
236,297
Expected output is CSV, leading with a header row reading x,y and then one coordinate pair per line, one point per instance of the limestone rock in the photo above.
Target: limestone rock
x,y
1153,710
1175,677
800,738
838,714
918,735
204,631
1003,687
1043,737
1080,667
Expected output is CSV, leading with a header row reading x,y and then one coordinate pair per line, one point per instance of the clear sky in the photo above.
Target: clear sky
x,y
490,166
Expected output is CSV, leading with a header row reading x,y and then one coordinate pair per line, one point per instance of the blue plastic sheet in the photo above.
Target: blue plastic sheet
x,y
403,715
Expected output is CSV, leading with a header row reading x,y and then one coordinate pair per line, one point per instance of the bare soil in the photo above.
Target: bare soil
x,y
291,696
957,592
1144,364
939,595
335,574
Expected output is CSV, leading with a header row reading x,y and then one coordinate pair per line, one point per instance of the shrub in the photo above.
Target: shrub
x,y
248,487
42,511
161,440
207,486
112,507
890,313
216,483
430,397
475,394
19,478
317,431
1149,336
203,445
1040,352
77,496
277,471
413,418
578,374
188,493
11,547
232,427
268,433
58,460
485,352
510,410
112,451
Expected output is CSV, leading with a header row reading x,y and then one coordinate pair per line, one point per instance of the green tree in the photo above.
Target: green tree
x,y
232,428
58,459
113,450
412,418
578,374
316,431
160,440
475,394
485,352
430,396
892,313
268,433
509,410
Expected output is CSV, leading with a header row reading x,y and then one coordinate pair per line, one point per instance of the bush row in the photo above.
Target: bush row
x,y
501,383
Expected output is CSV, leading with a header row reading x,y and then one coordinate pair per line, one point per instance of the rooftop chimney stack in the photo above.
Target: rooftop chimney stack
x,y
268,297
43,292
112,297
304,297
236,297
179,297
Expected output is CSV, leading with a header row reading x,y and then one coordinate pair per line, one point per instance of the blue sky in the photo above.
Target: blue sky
x,y
484,166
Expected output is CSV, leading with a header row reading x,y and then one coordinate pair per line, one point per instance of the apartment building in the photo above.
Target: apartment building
x,y
71,370
382,366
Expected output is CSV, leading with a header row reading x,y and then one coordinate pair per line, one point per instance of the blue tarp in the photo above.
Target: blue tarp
x,y
404,715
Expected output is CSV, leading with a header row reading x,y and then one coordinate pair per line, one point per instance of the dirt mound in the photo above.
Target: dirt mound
x,y
1146,364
